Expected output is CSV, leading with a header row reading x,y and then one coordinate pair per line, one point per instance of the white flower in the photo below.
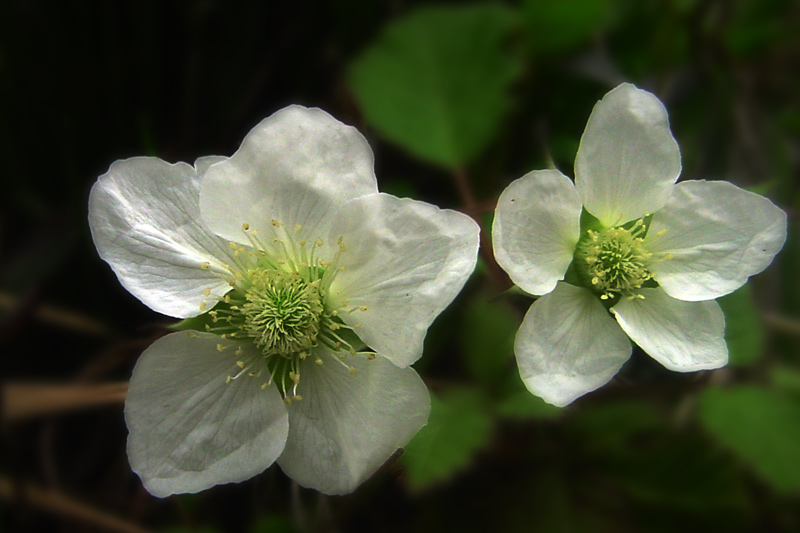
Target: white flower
x,y
626,238
320,291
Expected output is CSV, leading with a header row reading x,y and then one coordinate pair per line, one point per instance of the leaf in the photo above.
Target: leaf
x,y
457,428
761,426
436,81
487,339
519,404
555,26
744,332
785,379
273,523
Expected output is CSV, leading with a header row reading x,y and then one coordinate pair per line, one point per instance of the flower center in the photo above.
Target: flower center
x,y
615,260
282,311
279,301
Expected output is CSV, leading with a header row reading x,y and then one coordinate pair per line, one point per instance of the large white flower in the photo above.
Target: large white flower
x,y
626,250
315,293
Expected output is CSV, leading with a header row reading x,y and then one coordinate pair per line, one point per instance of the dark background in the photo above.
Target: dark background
x,y
85,83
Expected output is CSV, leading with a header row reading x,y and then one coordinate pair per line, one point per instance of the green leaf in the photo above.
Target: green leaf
x,y
436,81
555,26
457,428
761,426
518,402
273,523
487,339
786,379
744,332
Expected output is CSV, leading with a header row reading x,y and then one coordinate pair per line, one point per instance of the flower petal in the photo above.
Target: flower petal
x,y
536,227
347,425
202,164
682,336
627,161
568,345
189,429
717,234
405,261
146,224
297,166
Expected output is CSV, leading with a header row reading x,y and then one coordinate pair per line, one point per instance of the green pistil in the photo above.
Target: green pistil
x,y
279,302
614,260
282,312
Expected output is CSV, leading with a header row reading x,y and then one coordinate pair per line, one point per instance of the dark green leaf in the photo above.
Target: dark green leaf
x,y
488,338
436,82
519,403
457,428
554,26
744,332
761,426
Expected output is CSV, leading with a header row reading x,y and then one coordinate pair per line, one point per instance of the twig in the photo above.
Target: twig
x,y
782,324
24,400
56,503
496,274
59,317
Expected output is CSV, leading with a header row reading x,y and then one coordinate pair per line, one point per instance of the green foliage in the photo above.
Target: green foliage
x,y
744,332
517,402
786,379
487,339
436,82
671,475
761,427
556,26
458,427
273,523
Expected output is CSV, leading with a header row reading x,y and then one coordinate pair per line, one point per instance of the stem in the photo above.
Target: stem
x,y
24,400
499,278
56,503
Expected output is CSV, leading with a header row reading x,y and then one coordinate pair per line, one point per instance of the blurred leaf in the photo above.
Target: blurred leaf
x,y
519,403
273,524
671,476
744,332
555,26
487,339
786,379
457,428
758,25
761,426
613,425
436,81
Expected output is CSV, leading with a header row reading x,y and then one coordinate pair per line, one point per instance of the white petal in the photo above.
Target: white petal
x,y
718,235
297,166
189,429
202,164
346,426
146,224
627,161
536,227
405,261
568,345
682,336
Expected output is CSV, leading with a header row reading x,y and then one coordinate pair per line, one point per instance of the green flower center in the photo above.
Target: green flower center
x,y
282,311
280,301
615,260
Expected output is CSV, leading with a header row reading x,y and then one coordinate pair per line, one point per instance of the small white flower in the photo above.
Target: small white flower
x,y
626,238
318,291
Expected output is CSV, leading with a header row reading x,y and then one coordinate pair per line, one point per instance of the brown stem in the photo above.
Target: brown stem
x,y
470,206
56,503
24,400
